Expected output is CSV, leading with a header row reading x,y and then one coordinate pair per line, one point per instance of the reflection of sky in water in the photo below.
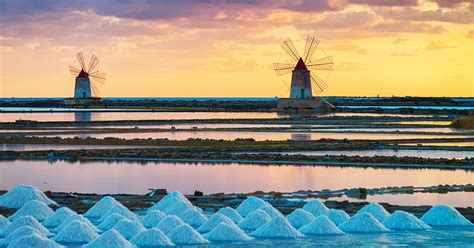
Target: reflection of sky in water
x,y
398,153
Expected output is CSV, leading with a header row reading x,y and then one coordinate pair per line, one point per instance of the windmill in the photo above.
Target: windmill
x,y
88,77
304,79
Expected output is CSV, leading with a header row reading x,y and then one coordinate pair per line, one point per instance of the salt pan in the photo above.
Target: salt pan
x,y
168,223
193,217
255,220
128,228
34,241
337,216
36,209
232,214
401,220
58,216
321,225
109,239
18,233
249,205
300,217
24,221
315,207
21,194
363,223
119,209
444,215
224,232
278,227
101,207
376,210
73,218
152,218
76,232
151,238
186,235
213,221
110,221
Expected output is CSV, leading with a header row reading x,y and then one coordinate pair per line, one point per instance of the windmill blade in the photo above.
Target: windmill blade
x,y
74,71
318,82
290,49
95,89
309,48
282,69
80,58
93,63
97,76
326,61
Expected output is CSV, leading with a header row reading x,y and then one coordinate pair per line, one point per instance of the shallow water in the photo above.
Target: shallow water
x,y
35,147
442,144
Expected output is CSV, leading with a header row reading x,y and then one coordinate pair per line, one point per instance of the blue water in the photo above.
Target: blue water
x,y
412,107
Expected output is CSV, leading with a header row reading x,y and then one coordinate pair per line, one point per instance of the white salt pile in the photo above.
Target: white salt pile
x,y
21,194
270,210
232,214
213,221
321,225
35,209
444,215
34,241
179,207
278,227
186,235
76,232
401,220
363,223
110,221
3,222
168,223
315,207
224,232
337,216
72,218
151,238
18,233
376,210
300,217
128,228
152,218
24,221
169,200
119,209
109,239
255,220
58,216
193,217
101,207
249,205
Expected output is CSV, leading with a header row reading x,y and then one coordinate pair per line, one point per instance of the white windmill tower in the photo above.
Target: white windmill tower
x,y
88,79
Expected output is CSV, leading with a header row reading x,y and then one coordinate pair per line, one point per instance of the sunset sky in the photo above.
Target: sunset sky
x,y
225,48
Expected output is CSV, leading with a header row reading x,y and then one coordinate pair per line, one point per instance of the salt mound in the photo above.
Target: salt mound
x,y
151,238
108,223
178,207
213,221
315,207
21,194
255,220
109,239
224,232
321,225
76,232
363,223
25,221
34,241
169,200
72,218
232,214
270,210
36,209
58,216
337,216
168,223
119,209
128,228
186,235
3,222
300,217
152,218
278,227
193,217
376,210
401,220
101,207
18,233
249,205
444,215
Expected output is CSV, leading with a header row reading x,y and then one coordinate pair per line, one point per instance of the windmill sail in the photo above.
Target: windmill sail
x,y
290,49
309,48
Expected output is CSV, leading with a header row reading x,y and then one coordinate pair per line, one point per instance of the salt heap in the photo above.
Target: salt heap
x,y
119,209
193,217
213,221
34,241
315,207
249,205
3,222
110,221
186,235
101,207
58,216
376,210
109,239
255,220
168,201
444,215
224,232
128,228
321,225
21,194
300,217
18,233
270,210
73,218
152,218
232,214
337,216
401,220
35,209
151,238
278,227
178,208
363,223
168,223
24,221
76,232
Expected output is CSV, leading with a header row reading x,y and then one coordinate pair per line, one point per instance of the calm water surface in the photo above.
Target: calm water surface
x,y
399,153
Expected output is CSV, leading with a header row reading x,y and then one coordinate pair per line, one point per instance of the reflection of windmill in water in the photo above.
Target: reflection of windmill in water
x,y
304,76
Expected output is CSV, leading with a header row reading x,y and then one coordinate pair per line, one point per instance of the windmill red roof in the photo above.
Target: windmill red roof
x,y
83,74
300,66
